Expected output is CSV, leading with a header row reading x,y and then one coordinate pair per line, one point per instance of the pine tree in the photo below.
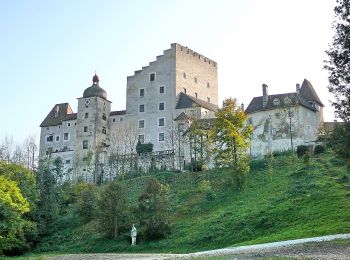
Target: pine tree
x,y
338,64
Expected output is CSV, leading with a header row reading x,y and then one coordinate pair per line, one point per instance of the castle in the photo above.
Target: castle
x,y
179,81
96,143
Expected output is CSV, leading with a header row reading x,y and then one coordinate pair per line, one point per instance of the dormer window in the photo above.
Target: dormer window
x,y
276,102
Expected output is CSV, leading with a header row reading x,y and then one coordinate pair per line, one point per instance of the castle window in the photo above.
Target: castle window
x,y
49,151
208,99
104,117
142,92
184,75
104,130
141,123
152,77
208,85
57,138
196,94
113,120
49,139
273,131
86,129
59,127
185,90
195,80
68,124
86,115
161,90
292,128
85,144
142,108
67,161
66,136
161,121
160,137
161,106
141,139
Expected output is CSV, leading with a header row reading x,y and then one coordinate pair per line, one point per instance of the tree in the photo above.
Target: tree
x,y
17,226
13,226
112,209
340,141
152,211
232,138
338,64
47,206
86,200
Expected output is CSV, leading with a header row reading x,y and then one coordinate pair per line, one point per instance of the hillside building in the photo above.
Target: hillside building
x,y
284,121
95,140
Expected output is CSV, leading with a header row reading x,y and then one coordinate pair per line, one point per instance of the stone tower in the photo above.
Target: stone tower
x,y
92,132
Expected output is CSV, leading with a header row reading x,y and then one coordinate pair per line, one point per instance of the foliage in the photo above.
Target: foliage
x,y
86,200
200,144
112,210
16,225
12,206
340,140
232,138
319,149
294,203
152,211
24,178
144,148
301,150
338,64
47,186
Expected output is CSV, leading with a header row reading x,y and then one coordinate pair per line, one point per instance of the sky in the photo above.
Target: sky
x,y
49,50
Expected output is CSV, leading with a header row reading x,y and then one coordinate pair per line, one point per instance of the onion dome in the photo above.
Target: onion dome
x,y
95,90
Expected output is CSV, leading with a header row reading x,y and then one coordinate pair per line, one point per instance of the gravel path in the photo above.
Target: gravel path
x,y
285,248
307,248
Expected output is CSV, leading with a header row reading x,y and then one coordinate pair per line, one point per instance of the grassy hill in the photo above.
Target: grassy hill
x,y
287,200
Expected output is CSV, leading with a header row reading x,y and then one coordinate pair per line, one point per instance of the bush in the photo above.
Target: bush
x,y
319,149
301,150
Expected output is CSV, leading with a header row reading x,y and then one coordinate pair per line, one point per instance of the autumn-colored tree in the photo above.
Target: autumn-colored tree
x,y
231,136
17,202
12,224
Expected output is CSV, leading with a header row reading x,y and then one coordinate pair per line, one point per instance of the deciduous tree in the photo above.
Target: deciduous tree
x,y
232,138
338,64
152,211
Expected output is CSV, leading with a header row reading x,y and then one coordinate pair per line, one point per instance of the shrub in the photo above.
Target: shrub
x,y
301,150
319,149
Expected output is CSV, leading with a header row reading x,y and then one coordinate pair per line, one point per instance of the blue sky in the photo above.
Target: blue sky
x,y
49,50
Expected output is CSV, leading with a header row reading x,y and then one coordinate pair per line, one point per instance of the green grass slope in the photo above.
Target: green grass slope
x,y
287,201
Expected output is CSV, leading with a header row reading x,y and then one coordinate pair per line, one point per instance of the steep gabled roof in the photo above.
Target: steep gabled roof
x,y
187,101
309,93
306,98
118,113
58,114
257,102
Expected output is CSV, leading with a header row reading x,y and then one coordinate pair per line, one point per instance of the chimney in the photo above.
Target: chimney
x,y
242,107
265,95
298,88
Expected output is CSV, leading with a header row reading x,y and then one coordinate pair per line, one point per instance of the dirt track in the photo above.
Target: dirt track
x,y
309,248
